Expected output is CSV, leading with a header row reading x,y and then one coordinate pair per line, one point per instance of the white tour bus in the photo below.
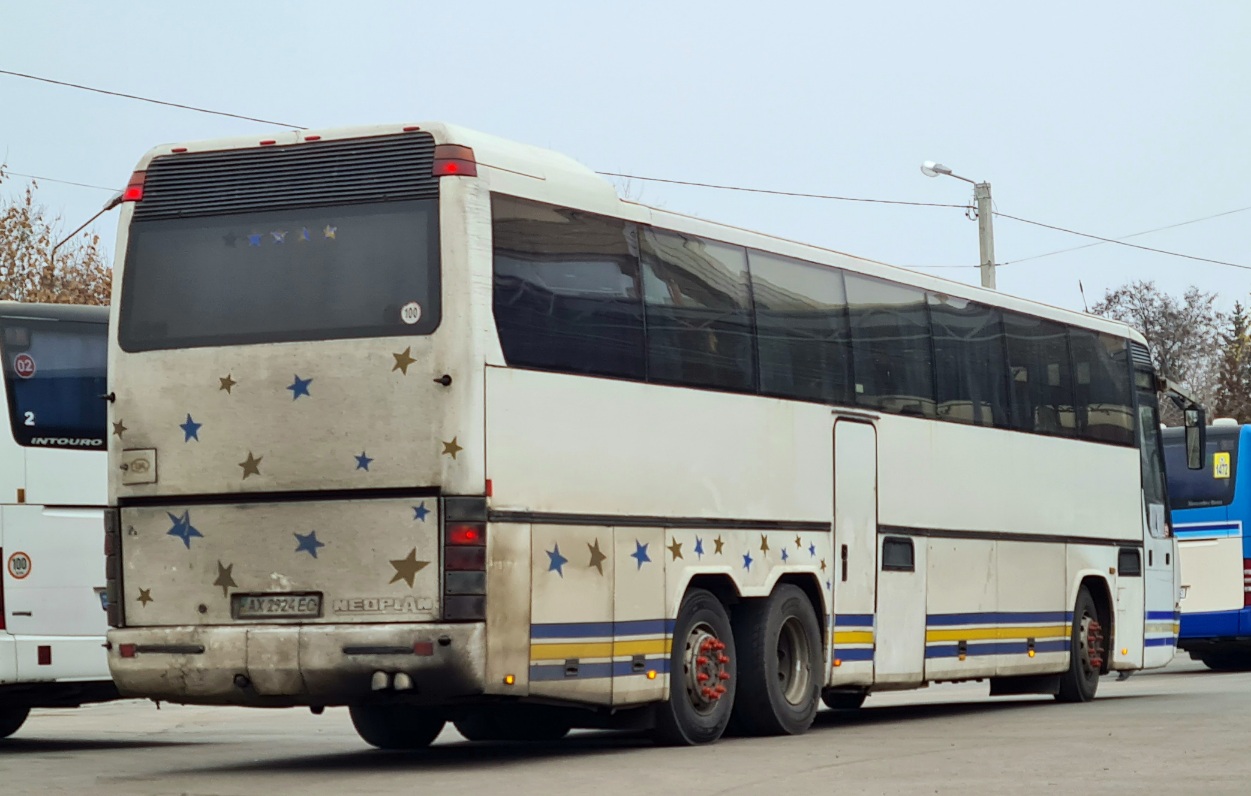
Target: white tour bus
x,y
52,497
433,425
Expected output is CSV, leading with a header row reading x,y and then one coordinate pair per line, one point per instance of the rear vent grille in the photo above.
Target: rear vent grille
x,y
1140,354
313,174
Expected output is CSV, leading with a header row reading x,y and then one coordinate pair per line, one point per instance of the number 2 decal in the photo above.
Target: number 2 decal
x,y
30,418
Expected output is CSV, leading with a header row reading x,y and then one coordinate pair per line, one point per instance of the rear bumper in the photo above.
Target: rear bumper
x,y
298,665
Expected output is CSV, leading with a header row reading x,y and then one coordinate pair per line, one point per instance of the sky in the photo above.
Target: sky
x,y
1108,118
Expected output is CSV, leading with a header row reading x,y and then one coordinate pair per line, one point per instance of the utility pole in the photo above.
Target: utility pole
x,y
985,233
985,220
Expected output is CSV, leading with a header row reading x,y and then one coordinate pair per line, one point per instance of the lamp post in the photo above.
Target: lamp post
x,y
985,228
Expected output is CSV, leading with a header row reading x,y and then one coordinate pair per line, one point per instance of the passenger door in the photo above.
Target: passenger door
x,y
1160,548
855,551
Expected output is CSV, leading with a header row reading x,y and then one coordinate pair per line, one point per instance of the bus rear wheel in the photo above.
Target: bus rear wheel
x,y
11,720
702,675
1088,652
781,663
396,726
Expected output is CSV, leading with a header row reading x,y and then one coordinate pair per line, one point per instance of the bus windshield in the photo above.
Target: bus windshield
x,y
296,274
55,374
1211,485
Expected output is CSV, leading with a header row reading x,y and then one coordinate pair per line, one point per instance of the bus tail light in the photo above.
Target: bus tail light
x,y
1246,583
113,566
134,188
453,160
464,559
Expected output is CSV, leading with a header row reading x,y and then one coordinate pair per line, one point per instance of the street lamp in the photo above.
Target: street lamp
x,y
985,229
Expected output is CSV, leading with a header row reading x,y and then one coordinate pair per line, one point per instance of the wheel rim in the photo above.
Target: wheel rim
x,y
794,655
705,666
1090,638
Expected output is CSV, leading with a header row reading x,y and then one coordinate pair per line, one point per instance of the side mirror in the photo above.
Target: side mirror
x,y
1196,437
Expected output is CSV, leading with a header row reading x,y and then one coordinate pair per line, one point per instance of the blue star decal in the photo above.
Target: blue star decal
x,y
191,430
812,550
555,560
828,585
254,240
299,387
304,234
747,560
307,543
183,528
699,547
640,553
785,555
362,462
420,512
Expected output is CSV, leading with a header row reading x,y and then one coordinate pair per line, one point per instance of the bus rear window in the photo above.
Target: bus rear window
x,y
324,273
1213,484
55,376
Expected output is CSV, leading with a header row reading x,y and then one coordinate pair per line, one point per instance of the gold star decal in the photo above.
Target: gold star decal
x,y
224,577
719,542
145,597
251,466
676,550
764,543
227,383
403,360
451,448
407,567
823,565
119,429
799,542
597,557
329,231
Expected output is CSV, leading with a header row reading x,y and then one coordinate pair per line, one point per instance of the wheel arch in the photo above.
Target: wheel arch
x,y
1101,592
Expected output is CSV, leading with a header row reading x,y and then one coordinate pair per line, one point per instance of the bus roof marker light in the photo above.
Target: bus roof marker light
x,y
134,188
268,142
453,160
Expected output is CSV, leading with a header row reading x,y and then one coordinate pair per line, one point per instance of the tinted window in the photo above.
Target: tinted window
x,y
801,328
1150,453
699,325
890,335
566,290
317,273
55,372
969,361
1101,386
1042,385
1196,489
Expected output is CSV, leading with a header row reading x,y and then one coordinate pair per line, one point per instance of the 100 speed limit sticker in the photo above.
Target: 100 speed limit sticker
x,y
19,565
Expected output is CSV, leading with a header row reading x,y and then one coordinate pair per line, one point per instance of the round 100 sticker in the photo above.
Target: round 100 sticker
x,y
19,565
24,365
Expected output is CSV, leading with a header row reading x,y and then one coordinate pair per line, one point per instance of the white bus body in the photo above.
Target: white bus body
x,y
52,497
433,425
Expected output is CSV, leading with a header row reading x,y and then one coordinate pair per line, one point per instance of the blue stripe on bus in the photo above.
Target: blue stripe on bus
x,y
1159,616
1000,618
996,648
1208,530
860,654
1168,641
593,671
853,620
641,627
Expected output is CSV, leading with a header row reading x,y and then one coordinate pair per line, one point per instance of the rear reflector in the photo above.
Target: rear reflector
x,y
452,160
44,654
126,650
424,648
1246,583
466,534
134,188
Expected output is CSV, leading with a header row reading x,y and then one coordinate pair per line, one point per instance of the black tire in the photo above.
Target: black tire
x,y
492,724
781,663
396,726
702,674
1226,662
843,700
11,720
1088,652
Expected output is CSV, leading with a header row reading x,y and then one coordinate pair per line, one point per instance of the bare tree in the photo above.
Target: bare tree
x,y
1182,334
80,274
1233,390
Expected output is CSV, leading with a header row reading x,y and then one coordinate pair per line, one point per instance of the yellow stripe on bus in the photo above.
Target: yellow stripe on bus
x,y
981,633
853,637
599,649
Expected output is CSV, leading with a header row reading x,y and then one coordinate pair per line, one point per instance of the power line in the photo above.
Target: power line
x,y
63,182
778,193
148,99
1123,243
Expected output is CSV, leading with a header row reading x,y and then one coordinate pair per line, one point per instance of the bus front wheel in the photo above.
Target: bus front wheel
x,y
396,726
1088,651
11,720
702,674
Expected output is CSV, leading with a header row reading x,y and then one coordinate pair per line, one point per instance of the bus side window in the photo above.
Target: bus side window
x,y
891,349
970,362
1101,383
1042,383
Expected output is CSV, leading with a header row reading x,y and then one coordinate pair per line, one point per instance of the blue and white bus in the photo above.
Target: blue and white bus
x,y
1211,508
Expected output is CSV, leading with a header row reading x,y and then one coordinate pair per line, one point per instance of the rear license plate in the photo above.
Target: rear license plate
x,y
276,606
